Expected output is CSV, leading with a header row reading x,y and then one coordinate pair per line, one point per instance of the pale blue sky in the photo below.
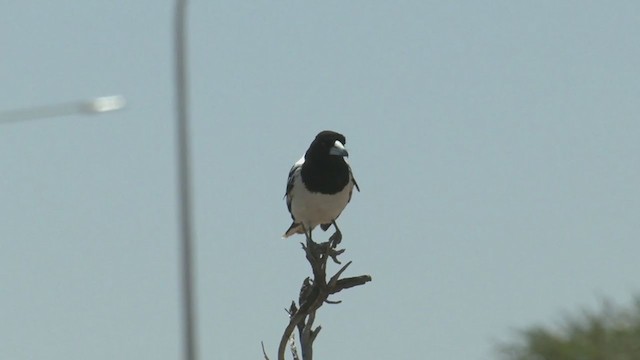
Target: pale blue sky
x,y
495,143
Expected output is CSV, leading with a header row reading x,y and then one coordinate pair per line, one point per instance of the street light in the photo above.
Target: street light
x,y
184,182
92,106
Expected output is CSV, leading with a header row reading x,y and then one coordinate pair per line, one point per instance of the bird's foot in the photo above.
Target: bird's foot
x,y
333,253
314,249
335,239
329,249
319,251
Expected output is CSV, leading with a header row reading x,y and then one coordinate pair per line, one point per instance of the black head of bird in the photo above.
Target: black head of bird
x,y
327,143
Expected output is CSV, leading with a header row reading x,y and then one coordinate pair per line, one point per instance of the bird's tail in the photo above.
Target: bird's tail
x,y
295,228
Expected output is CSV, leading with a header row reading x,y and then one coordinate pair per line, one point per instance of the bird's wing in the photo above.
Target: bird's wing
x,y
290,180
352,178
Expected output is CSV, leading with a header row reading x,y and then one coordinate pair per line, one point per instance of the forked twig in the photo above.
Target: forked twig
x,y
313,294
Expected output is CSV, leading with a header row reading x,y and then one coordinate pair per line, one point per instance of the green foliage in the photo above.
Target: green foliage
x,y
608,334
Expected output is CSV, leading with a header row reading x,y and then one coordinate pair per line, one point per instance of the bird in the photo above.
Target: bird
x,y
319,186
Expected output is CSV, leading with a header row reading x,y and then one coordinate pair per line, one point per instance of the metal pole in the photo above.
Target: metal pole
x,y
184,181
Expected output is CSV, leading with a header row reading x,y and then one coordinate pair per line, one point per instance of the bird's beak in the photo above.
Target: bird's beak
x,y
338,149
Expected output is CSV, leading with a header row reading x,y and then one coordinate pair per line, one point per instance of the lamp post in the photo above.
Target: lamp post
x,y
92,106
189,335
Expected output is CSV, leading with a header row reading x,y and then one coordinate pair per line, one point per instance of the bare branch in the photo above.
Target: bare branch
x,y
287,333
315,332
335,277
294,350
350,282
306,340
314,292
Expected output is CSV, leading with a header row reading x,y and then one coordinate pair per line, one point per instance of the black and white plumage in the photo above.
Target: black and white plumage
x,y
319,186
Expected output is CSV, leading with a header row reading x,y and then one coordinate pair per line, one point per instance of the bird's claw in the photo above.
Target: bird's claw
x,y
333,253
335,239
317,251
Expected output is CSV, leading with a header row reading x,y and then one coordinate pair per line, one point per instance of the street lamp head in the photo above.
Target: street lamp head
x,y
104,104
92,106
